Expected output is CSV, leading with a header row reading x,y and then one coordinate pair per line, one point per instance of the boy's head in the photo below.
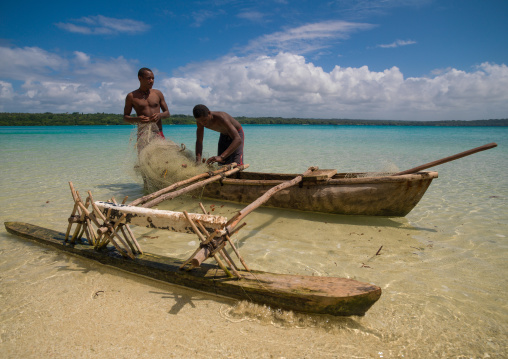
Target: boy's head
x,y
146,78
200,111
142,71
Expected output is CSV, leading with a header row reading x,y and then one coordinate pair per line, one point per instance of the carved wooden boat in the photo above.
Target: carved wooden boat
x,y
322,295
353,194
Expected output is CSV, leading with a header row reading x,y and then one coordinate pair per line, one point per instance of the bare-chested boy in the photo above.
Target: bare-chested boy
x,y
230,148
147,103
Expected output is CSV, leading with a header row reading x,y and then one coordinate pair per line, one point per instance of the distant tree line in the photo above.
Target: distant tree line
x,y
77,119
103,119
350,122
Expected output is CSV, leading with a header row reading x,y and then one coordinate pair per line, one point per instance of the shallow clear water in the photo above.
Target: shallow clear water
x,y
442,268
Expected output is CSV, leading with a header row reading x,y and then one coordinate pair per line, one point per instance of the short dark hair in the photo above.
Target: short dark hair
x,y
200,111
141,72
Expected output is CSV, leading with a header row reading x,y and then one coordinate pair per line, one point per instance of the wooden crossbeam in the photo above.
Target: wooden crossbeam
x,y
192,187
159,219
154,195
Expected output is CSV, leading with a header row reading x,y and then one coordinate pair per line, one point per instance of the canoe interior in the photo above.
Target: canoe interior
x,y
344,193
321,295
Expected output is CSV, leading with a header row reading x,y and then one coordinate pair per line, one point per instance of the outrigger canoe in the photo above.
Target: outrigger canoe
x,y
326,191
322,295
350,194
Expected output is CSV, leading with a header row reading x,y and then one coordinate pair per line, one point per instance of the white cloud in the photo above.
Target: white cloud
x,y
6,94
254,16
369,7
305,38
55,83
397,43
203,15
103,25
285,85
22,63
82,58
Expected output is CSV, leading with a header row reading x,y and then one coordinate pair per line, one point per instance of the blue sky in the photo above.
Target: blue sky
x,y
362,59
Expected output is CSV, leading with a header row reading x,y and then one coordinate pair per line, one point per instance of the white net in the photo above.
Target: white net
x,y
161,162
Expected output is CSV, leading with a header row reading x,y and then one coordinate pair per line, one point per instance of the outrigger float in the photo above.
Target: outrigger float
x,y
102,233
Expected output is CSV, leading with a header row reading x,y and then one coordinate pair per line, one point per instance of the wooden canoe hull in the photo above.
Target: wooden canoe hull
x,y
353,194
321,295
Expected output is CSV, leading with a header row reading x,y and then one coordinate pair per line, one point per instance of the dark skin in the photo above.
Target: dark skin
x,y
147,103
220,122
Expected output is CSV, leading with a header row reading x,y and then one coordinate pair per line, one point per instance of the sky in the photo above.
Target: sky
x,y
424,60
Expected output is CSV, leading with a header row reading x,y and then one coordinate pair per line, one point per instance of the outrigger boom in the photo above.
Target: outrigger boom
x,y
159,219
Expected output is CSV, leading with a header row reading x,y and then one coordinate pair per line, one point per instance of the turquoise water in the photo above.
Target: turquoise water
x,y
442,268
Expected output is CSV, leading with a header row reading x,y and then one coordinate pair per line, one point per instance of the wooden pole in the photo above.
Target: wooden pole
x,y
237,228
203,254
111,232
73,193
126,238
88,214
237,253
266,196
203,239
89,228
224,253
174,186
133,238
81,218
192,187
72,220
95,208
131,235
447,159
230,260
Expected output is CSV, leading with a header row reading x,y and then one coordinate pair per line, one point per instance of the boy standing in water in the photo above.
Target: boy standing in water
x,y
230,147
147,103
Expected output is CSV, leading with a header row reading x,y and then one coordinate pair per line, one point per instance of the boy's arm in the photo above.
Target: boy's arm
x,y
199,143
237,141
127,112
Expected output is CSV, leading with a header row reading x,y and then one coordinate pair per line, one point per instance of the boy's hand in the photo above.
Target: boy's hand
x,y
215,159
155,117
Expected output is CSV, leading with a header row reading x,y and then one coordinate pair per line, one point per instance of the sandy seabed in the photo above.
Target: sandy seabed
x,y
442,269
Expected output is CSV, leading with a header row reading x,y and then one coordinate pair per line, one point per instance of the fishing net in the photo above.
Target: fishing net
x,y
161,162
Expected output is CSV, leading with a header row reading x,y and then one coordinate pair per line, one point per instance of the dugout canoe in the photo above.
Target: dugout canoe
x,y
342,193
321,295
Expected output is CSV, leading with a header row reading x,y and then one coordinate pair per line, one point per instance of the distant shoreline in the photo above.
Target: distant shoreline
x,y
102,119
